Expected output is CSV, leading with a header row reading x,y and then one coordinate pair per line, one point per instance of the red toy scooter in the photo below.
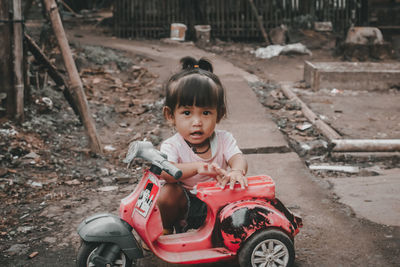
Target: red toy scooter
x,y
248,224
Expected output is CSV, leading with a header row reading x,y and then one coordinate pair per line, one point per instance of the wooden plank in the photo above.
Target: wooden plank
x,y
218,21
222,18
271,15
149,14
121,16
129,11
153,14
237,19
250,19
116,18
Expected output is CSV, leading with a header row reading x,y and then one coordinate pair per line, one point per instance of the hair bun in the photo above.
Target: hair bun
x,y
205,64
189,63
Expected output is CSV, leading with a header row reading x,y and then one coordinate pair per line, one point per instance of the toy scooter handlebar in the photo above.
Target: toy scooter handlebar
x,y
146,151
171,169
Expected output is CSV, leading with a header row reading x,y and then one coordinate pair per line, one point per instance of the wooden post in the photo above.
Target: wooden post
x,y
75,81
18,57
12,73
5,62
260,22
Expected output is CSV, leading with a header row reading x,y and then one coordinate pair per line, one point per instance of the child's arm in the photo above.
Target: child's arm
x,y
190,169
237,173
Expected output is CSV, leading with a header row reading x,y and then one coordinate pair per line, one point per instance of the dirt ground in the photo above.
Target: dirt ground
x,y
50,181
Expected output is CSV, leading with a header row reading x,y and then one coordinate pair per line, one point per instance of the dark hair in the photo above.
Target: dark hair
x,y
196,84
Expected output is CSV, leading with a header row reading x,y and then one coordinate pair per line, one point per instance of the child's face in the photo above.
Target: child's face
x,y
195,124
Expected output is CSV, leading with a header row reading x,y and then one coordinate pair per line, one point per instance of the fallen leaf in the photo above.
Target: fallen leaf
x,y
33,254
73,182
96,80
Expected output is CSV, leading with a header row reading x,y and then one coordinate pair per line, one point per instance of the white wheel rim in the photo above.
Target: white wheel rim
x,y
119,262
270,253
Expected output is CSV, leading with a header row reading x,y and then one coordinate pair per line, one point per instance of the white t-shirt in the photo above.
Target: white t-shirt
x,y
223,147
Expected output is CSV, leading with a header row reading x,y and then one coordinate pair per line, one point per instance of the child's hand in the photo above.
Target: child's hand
x,y
232,177
212,170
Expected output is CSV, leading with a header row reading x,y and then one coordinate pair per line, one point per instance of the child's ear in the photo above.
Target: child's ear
x,y
168,115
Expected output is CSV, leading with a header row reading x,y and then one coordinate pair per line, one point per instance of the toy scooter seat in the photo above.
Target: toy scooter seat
x,y
261,186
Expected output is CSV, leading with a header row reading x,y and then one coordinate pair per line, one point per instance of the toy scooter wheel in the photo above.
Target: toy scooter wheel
x,y
87,251
267,248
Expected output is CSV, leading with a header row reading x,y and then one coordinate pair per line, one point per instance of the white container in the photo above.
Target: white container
x,y
203,34
178,31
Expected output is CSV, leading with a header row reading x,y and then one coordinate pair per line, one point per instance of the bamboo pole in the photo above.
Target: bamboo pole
x,y
366,145
259,21
75,81
18,57
51,70
43,59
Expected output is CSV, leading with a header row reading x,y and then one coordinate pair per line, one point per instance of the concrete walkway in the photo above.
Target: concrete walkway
x,y
332,236
376,198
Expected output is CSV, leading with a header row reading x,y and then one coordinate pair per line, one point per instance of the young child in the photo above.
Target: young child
x,y
195,103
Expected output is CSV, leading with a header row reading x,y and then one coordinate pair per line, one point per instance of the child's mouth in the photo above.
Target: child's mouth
x,y
196,134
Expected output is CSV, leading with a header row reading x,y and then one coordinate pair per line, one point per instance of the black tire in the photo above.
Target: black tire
x,y
86,250
258,250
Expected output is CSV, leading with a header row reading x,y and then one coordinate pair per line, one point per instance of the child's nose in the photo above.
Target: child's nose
x,y
197,121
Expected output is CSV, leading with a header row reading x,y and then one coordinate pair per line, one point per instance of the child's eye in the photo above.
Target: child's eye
x,y
206,112
187,113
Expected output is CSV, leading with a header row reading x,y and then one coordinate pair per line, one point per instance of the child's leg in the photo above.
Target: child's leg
x,y
172,203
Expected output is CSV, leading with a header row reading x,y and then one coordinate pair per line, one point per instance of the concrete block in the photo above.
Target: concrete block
x,y
351,75
323,26
364,36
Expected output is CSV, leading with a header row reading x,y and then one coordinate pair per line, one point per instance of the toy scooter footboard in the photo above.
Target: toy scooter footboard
x,y
108,228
